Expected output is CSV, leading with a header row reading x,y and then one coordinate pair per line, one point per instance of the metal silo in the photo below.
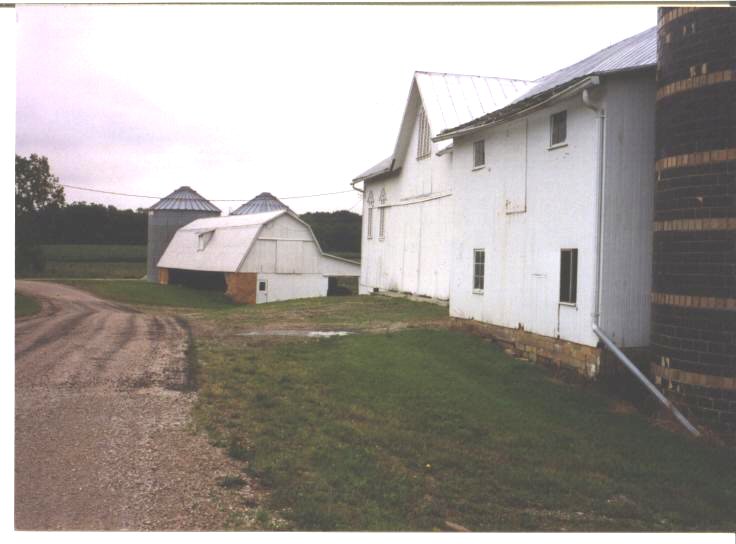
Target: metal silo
x,y
694,280
169,214
265,202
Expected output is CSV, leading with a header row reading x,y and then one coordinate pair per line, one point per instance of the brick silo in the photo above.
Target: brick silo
x,y
694,281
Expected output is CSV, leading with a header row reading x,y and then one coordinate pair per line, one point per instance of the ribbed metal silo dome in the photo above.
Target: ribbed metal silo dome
x,y
168,215
265,202
694,281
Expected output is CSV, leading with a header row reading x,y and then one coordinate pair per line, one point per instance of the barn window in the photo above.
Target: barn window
x,y
261,285
424,144
479,154
479,270
204,239
369,226
558,128
569,276
382,215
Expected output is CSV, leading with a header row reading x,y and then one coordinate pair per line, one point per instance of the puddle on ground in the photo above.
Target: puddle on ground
x,y
307,334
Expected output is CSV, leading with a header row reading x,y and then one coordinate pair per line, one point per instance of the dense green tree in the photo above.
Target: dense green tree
x,y
336,231
36,190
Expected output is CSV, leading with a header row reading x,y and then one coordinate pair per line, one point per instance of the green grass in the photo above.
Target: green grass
x,y
351,312
113,270
409,430
25,306
95,253
93,261
152,294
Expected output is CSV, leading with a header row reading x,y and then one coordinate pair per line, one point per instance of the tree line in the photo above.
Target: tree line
x,y
42,216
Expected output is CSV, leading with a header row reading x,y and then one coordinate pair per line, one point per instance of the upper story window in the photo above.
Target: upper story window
x,y
369,225
479,270
569,276
424,143
558,128
479,154
382,215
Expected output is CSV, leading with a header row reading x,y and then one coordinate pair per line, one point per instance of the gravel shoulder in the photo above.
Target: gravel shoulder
x,y
103,439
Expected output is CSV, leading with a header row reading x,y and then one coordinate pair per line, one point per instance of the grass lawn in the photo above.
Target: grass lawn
x,y
406,431
153,294
407,425
93,261
25,305
95,253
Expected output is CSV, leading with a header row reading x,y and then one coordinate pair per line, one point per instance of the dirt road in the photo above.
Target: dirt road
x,y
102,438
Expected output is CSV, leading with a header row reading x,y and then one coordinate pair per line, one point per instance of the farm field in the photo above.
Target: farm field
x,y
25,306
409,424
94,261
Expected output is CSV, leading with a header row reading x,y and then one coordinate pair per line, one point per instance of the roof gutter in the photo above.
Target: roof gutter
x,y
571,90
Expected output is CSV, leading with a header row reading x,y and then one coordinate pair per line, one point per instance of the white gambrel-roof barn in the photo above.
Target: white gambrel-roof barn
x,y
264,257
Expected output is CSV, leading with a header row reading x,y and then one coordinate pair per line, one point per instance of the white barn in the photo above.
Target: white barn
x,y
258,257
551,206
407,204
554,208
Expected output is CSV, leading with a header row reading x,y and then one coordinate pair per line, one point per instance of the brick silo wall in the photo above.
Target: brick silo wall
x,y
694,282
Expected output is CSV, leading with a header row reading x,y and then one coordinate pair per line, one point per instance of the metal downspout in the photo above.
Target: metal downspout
x,y
601,122
643,379
601,119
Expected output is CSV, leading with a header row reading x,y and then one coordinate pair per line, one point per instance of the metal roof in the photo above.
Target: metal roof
x,y
265,202
454,99
382,167
228,244
638,51
450,100
185,198
232,238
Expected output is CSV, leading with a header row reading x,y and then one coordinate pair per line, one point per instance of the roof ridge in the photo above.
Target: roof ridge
x,y
599,52
471,75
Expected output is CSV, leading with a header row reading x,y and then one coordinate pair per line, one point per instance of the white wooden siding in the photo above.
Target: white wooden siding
x,y
629,210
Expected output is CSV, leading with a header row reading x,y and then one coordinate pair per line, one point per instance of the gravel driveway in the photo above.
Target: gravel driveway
x,y
102,436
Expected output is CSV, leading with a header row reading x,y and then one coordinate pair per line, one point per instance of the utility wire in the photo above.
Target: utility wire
x,y
210,199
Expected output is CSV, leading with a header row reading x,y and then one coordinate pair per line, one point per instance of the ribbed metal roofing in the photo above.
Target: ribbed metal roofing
x,y
185,198
454,99
376,170
637,51
265,202
450,100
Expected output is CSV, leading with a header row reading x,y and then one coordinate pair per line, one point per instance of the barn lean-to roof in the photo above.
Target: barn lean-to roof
x,y
634,53
448,100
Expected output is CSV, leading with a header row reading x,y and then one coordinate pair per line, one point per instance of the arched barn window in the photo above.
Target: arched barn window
x,y
382,215
369,229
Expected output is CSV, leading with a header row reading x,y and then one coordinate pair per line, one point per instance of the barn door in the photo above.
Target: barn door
x,y
262,293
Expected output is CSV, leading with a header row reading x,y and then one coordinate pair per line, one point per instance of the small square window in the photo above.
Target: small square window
x,y
261,285
204,239
479,270
479,153
558,124
569,276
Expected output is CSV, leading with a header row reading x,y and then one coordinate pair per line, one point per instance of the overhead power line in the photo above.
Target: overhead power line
x,y
210,199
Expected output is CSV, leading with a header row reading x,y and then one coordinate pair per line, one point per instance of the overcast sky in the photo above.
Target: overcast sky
x,y
236,100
